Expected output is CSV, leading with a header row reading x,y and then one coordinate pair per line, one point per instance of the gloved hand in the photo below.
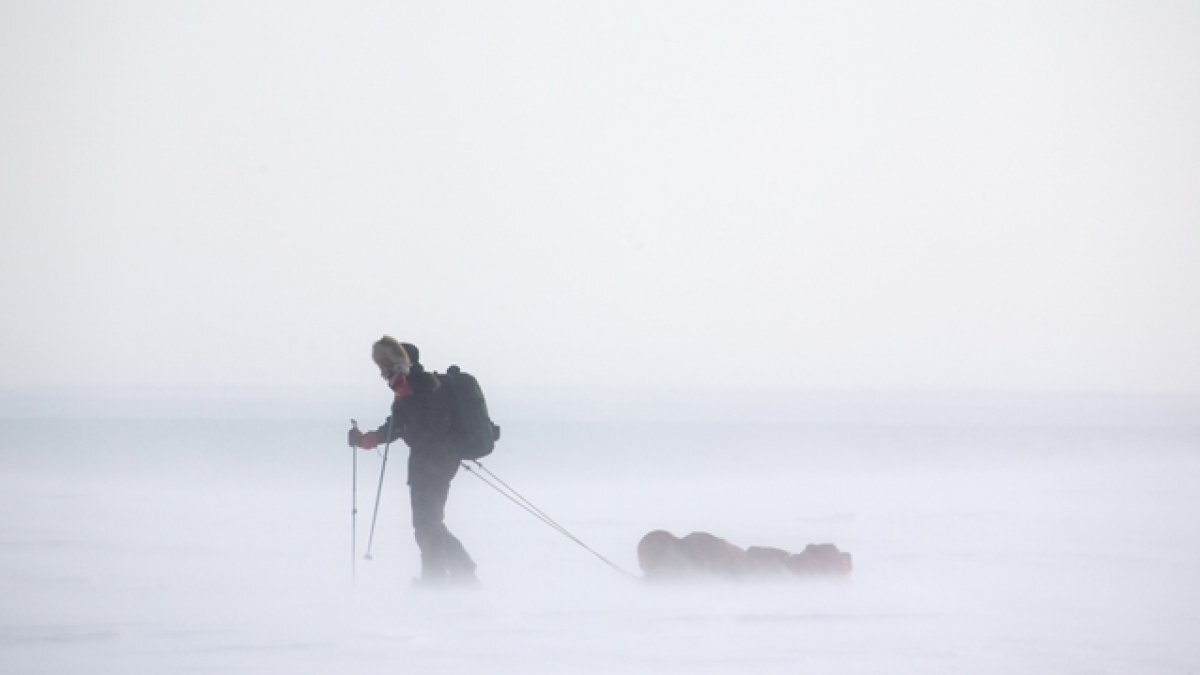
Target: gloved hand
x,y
358,439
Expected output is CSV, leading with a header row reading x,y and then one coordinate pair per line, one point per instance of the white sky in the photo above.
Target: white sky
x,y
835,195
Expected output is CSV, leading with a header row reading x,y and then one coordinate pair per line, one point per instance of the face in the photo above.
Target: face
x,y
384,368
388,361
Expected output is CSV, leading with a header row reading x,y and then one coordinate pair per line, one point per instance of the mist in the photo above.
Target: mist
x,y
225,545
917,280
930,197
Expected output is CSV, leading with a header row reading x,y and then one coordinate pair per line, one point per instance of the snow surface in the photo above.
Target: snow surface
x,y
223,546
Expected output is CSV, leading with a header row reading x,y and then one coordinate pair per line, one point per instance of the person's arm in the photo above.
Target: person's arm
x,y
391,429
371,440
396,425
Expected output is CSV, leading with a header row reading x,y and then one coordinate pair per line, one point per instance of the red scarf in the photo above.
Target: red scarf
x,y
399,384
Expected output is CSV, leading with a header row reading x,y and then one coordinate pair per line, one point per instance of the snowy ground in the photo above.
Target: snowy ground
x,y
223,546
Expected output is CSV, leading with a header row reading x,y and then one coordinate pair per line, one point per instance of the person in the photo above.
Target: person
x,y
417,418
663,556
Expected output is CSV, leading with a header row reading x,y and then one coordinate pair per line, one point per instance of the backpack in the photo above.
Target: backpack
x,y
469,429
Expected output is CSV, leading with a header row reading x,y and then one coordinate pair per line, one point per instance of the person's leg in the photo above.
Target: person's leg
x,y
442,554
459,565
428,511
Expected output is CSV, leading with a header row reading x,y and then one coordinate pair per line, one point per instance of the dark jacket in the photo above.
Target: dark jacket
x,y
419,418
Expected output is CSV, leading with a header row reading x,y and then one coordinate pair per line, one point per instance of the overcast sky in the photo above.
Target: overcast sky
x,y
558,194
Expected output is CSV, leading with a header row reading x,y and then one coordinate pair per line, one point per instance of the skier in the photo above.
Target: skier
x,y
417,414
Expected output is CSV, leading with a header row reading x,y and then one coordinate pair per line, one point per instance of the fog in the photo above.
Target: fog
x,y
830,196
137,546
915,279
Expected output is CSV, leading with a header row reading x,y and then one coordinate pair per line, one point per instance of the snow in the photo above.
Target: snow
x,y
147,546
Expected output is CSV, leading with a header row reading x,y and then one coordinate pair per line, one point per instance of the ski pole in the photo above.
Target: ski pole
x,y
354,509
378,494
